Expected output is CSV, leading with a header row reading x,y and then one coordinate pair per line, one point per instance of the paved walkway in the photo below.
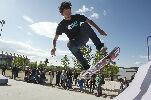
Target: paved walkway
x,y
18,90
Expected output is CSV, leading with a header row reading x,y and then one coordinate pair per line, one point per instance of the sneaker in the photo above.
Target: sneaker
x,y
85,77
103,50
81,91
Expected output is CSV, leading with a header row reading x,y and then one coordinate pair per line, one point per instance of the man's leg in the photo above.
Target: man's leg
x,y
90,88
2,71
78,54
86,29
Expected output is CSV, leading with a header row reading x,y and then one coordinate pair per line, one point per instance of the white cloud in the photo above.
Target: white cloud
x,y
28,19
28,33
104,12
88,11
35,54
144,57
64,52
23,49
84,9
20,47
29,42
95,15
19,27
47,29
137,63
32,53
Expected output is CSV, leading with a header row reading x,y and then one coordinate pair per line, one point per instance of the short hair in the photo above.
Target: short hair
x,y
64,5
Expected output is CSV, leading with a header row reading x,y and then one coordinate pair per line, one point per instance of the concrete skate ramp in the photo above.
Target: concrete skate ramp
x,y
3,80
140,87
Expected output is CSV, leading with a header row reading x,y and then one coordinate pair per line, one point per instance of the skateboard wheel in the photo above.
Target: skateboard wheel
x,y
107,59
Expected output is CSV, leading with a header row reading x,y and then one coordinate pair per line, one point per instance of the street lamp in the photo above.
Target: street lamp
x,y
148,46
2,22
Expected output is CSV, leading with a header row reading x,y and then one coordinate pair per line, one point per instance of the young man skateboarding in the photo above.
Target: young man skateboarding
x,y
77,33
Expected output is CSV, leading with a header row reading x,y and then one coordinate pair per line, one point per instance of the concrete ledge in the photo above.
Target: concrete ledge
x,y
3,80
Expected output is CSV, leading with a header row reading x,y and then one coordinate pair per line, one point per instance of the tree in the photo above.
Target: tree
x,y
26,61
33,64
110,70
86,51
41,65
97,57
65,62
20,61
76,63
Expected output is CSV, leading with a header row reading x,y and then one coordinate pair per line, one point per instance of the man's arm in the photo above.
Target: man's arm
x,y
54,45
94,25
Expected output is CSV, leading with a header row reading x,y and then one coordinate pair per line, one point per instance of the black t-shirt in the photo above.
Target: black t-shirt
x,y
71,27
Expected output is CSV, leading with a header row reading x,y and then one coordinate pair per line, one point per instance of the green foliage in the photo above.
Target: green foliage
x,y
86,51
94,58
20,61
65,62
110,70
98,56
33,64
42,65
76,63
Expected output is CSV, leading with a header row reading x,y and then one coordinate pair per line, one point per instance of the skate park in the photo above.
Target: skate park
x,y
138,89
29,31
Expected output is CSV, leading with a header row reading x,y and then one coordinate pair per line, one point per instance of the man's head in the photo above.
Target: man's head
x,y
65,9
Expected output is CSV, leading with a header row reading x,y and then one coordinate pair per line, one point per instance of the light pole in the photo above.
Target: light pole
x,y
2,22
148,46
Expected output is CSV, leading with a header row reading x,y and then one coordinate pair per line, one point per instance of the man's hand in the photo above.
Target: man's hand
x,y
102,32
53,52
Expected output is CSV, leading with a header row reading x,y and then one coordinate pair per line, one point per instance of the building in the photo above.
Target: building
x,y
127,72
6,60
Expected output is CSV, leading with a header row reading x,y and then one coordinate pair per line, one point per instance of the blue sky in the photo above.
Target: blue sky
x,y
30,27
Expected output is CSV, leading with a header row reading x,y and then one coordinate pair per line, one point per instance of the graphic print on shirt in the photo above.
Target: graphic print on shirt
x,y
74,24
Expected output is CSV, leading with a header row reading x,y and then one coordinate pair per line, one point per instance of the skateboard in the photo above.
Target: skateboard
x,y
108,58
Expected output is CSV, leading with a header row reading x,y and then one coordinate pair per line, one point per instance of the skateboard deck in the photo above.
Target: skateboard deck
x,y
109,58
